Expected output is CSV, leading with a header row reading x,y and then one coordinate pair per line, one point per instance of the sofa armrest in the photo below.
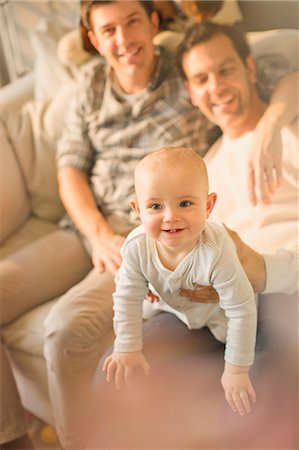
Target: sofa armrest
x,y
14,201
16,93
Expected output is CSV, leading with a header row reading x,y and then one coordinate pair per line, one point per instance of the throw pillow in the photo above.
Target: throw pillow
x,y
49,73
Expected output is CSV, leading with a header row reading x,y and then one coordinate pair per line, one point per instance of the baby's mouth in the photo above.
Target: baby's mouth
x,y
173,230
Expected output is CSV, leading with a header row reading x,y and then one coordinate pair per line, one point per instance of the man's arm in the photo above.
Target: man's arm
x,y
266,273
282,272
265,163
79,201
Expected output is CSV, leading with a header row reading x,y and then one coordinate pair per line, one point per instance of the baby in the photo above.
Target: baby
x,y
175,248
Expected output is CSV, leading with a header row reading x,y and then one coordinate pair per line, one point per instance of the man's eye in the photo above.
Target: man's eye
x,y
227,70
108,31
201,80
156,206
133,21
185,203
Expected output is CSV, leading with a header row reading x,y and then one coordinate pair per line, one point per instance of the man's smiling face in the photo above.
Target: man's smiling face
x,y
123,34
220,84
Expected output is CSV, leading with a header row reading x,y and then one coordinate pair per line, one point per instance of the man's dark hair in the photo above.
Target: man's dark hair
x,y
204,32
87,5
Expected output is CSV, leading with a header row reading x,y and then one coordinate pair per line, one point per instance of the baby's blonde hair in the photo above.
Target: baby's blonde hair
x,y
173,157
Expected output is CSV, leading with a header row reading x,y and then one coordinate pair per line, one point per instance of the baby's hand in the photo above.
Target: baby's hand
x,y
119,367
239,392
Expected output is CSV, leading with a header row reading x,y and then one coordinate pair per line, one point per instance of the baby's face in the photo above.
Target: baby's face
x,y
173,204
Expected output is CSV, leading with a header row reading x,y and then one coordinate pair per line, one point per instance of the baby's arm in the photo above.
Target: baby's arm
x,y
237,300
131,289
119,367
238,389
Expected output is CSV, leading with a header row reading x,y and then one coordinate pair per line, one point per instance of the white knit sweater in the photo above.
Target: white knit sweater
x,y
212,261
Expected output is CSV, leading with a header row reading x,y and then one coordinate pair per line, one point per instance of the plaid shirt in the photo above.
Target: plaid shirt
x,y
105,136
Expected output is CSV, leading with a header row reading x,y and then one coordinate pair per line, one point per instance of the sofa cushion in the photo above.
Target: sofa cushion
x,y
33,133
27,332
14,202
284,42
33,228
13,95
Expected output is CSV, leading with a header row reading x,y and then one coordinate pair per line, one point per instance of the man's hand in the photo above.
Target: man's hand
x,y
106,251
264,173
152,298
201,294
239,392
253,262
120,365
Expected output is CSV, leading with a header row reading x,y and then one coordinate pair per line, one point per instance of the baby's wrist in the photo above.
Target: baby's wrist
x,y
233,369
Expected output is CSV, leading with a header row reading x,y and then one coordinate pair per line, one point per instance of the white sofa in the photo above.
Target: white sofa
x,y
31,118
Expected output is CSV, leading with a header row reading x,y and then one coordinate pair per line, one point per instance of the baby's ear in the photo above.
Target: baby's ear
x,y
211,202
134,205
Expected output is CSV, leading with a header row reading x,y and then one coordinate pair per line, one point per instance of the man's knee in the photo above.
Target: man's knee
x,y
38,272
74,333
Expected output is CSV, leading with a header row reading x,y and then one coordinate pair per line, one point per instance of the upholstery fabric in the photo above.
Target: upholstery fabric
x,y
35,149
48,72
14,201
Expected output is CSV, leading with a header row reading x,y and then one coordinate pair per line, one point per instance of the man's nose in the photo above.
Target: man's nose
x,y
215,84
121,35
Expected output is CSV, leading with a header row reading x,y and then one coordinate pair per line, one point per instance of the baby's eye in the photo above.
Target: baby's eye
x,y
185,203
156,206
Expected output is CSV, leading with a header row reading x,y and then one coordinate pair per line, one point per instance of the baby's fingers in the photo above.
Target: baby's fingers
x,y
145,367
245,403
106,363
128,376
110,371
230,401
251,393
119,377
240,400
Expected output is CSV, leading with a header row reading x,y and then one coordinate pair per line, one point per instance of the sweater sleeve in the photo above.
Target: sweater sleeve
x,y
238,301
131,290
282,272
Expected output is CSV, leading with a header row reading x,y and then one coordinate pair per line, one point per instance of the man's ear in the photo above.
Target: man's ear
x,y
211,202
93,40
155,22
189,90
134,205
251,68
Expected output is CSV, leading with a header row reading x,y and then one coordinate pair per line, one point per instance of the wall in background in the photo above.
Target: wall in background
x,y
260,15
18,18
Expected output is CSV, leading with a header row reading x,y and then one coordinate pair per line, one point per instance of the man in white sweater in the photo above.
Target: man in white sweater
x,y
221,79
